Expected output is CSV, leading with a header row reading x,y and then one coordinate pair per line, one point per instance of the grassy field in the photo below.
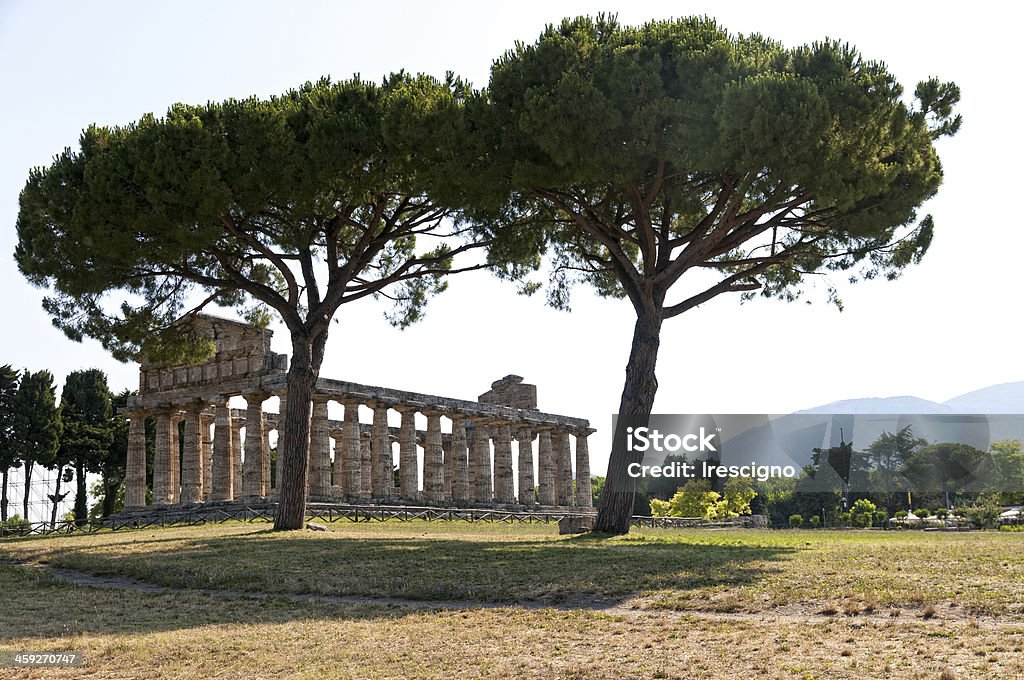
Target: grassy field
x,y
518,600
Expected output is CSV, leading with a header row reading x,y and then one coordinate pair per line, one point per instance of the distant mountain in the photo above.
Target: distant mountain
x,y
1005,398
881,405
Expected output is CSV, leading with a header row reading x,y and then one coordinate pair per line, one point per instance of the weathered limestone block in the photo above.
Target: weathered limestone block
x,y
254,481
458,453
192,457
135,472
576,525
526,490
206,446
584,491
511,391
236,458
319,449
365,466
433,460
546,463
504,490
162,459
265,461
408,460
174,475
223,458
481,463
352,464
380,452
563,467
338,466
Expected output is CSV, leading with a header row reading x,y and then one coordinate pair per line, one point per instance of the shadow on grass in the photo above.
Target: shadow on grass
x,y
583,572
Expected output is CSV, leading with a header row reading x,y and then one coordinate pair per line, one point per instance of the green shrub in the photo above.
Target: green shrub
x,y
814,521
942,513
796,520
900,514
862,512
881,518
923,513
844,519
660,508
983,515
15,526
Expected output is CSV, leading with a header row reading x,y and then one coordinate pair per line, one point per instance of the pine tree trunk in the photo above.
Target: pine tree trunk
x,y
616,509
3,497
28,485
307,355
81,496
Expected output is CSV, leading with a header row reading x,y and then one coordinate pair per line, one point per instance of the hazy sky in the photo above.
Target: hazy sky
x,y
948,326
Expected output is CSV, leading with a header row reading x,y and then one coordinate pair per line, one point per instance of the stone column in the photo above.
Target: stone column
x,y
526,490
319,449
584,493
563,467
223,458
192,463
279,462
352,456
433,460
480,460
380,452
135,471
174,476
162,459
266,460
365,467
546,463
236,457
254,484
408,461
206,453
459,467
504,491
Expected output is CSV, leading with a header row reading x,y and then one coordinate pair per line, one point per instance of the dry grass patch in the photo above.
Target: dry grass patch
x,y
189,635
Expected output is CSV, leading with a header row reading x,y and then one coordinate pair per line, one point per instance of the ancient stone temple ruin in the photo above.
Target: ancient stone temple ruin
x,y
223,454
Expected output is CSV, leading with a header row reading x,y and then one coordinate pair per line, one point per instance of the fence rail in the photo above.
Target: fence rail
x,y
265,513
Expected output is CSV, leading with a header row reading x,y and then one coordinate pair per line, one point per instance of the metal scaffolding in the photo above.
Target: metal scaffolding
x,y
41,487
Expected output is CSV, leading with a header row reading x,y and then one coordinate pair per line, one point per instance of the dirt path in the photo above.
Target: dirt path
x,y
798,613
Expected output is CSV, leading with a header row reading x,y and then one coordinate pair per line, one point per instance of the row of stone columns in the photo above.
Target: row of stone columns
x,y
200,468
456,469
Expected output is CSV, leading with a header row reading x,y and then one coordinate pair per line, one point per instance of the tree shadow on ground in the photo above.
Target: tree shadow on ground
x,y
578,572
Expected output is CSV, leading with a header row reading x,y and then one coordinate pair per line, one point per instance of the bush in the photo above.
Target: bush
x,y
983,515
660,508
861,520
795,521
862,513
844,519
814,521
900,514
923,513
942,513
881,518
15,526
